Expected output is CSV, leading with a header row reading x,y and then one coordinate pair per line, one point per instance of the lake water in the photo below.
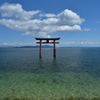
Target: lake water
x,y
73,75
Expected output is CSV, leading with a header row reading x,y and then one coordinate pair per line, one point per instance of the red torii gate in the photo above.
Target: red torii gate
x,y
47,41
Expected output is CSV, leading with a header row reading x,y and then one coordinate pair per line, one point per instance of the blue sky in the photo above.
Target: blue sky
x,y
77,22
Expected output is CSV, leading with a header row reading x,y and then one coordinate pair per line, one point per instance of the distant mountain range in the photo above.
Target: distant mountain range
x,y
37,46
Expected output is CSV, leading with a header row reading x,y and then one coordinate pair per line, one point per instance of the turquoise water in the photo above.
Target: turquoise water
x,y
73,75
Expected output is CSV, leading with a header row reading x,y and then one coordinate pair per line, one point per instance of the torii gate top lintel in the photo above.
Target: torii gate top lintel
x,y
47,41
47,38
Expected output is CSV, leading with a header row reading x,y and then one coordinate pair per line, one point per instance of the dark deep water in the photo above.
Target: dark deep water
x,y
74,73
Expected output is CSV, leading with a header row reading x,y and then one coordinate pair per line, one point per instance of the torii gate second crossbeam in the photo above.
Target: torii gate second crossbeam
x,y
47,42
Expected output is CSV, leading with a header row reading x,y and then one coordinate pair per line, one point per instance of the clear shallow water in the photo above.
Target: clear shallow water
x,y
75,73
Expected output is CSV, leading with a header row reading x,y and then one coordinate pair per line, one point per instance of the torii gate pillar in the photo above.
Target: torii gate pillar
x,y
47,41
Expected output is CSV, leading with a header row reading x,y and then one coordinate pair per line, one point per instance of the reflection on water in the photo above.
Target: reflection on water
x,y
46,65
73,75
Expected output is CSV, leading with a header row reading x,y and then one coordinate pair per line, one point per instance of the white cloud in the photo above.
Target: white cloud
x,y
87,29
83,43
15,10
4,43
47,15
36,23
69,17
18,44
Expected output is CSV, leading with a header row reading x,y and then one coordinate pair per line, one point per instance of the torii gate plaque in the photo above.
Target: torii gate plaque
x,y
47,41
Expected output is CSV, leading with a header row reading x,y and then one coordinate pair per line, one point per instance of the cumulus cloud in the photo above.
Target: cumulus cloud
x,y
47,15
38,23
69,17
15,10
